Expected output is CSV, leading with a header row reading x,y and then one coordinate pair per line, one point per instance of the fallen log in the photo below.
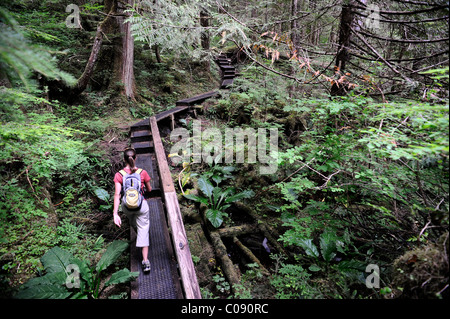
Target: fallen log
x,y
228,267
237,230
264,228
250,255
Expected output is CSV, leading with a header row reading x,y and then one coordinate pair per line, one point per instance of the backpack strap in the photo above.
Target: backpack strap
x,y
139,170
122,172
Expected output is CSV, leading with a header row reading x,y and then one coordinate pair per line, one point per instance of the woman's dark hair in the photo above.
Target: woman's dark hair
x,y
129,156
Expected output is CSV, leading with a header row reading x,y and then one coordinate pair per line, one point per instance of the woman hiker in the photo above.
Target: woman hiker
x,y
139,216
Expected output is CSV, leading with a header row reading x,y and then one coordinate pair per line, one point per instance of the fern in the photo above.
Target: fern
x,y
43,143
170,25
19,58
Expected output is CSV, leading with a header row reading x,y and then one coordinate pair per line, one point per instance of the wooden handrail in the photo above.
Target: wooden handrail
x,y
179,238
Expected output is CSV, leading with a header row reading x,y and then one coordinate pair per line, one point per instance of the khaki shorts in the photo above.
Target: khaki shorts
x,y
140,220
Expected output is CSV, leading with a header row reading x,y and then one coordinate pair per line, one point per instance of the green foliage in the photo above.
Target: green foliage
x,y
69,233
291,282
346,270
330,244
217,200
19,58
353,157
92,7
357,180
70,277
104,196
33,231
221,284
169,25
115,249
12,100
439,74
43,155
422,132
43,142
219,173
34,152
371,170
257,98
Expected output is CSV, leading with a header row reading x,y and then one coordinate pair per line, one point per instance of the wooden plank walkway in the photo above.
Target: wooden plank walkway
x,y
179,238
198,99
170,112
173,272
163,281
228,71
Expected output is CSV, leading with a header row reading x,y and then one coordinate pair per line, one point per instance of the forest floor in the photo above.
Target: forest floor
x,y
350,190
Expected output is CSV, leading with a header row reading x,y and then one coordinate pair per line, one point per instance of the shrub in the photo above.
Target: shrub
x,y
70,277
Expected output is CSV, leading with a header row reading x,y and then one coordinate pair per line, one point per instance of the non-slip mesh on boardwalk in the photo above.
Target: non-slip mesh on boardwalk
x,y
148,162
159,283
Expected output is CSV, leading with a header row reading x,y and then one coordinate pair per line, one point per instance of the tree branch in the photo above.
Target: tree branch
x,y
402,21
402,40
98,40
380,57
439,7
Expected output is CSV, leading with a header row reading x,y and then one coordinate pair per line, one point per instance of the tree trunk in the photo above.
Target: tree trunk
x,y
204,22
294,34
86,76
124,55
295,41
347,17
237,230
83,81
122,58
157,55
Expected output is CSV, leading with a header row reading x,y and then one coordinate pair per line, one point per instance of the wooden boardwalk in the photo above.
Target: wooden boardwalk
x,y
173,273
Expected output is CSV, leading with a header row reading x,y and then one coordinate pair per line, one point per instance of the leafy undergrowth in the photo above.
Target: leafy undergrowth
x,y
70,277
58,158
360,196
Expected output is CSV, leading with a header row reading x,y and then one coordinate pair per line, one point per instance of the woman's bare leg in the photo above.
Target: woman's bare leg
x,y
145,253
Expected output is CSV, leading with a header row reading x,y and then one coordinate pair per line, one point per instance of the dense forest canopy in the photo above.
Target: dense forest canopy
x,y
356,89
